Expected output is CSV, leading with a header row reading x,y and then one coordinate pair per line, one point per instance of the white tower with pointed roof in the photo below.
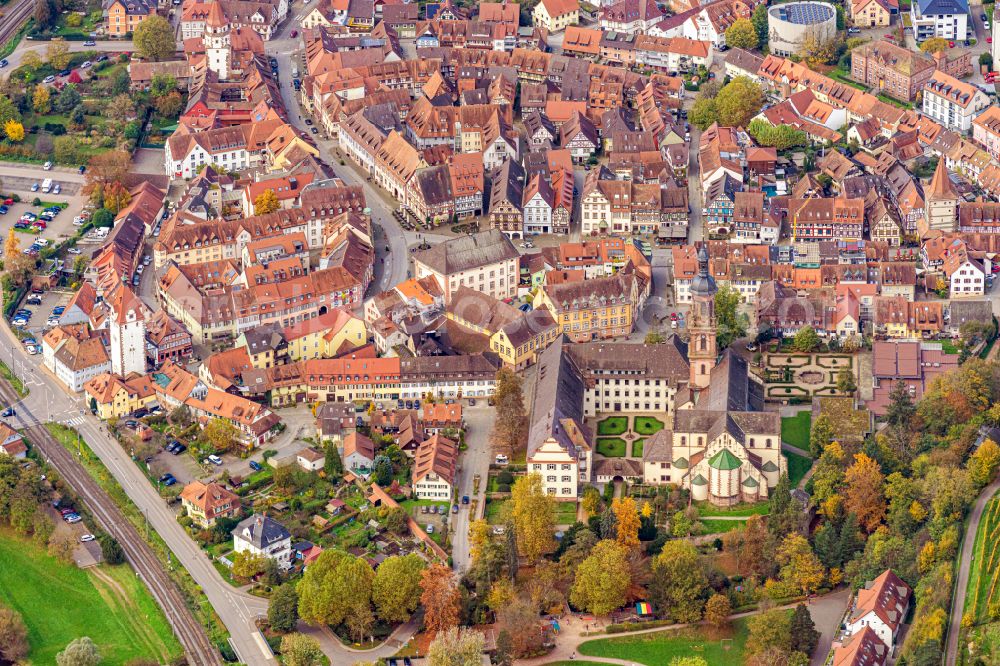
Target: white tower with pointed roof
x,y
216,41
128,332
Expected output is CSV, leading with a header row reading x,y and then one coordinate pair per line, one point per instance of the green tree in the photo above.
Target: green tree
x,y
301,650
283,608
162,84
717,610
14,644
602,580
806,340
531,513
731,323
333,466
396,587
510,425
845,381
80,652
222,435
759,20
335,589
382,470
934,45
704,112
67,98
799,564
64,149
247,565
803,634
769,630
820,435
741,35
154,38
111,550
504,654
678,581
456,647
105,218
57,54
781,137
739,100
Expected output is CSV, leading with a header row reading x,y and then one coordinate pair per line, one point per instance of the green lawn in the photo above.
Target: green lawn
x,y
647,425
982,592
494,509
564,513
659,648
637,447
708,509
717,526
60,602
613,425
948,347
611,447
795,429
797,467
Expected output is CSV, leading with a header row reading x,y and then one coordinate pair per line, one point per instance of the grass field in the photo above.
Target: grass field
x,y
707,509
795,429
613,425
983,590
717,526
564,513
647,425
637,447
611,447
60,602
660,647
797,467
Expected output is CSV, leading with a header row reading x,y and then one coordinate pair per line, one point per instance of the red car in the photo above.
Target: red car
x,y
989,40
951,45
295,33
8,202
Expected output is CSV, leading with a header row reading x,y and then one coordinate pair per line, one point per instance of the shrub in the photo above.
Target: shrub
x,y
505,478
503,488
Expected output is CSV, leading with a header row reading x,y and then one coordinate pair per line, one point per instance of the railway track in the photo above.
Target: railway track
x,y
13,18
198,649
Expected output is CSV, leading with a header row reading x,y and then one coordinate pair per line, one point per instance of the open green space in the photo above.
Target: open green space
x,y
797,467
659,648
982,591
719,526
647,425
948,347
707,509
637,447
60,602
795,429
611,447
613,425
563,513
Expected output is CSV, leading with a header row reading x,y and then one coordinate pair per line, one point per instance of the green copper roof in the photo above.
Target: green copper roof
x,y
681,463
770,467
724,460
750,482
699,480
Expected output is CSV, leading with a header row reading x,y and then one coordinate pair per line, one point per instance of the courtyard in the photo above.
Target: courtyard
x,y
624,436
802,377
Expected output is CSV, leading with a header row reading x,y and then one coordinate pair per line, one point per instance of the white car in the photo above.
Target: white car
x,y
47,166
42,241
430,529
32,349
214,459
501,459
85,64
87,537
52,321
73,250
71,519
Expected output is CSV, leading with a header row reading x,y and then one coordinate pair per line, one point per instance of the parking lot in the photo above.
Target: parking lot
x,y
40,313
19,180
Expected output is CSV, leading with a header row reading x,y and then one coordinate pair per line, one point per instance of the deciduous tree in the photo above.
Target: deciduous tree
x,y
80,652
741,35
301,650
15,261
799,564
61,546
531,513
41,100
934,45
806,340
43,15
31,60
602,580
456,647
14,131
591,500
67,99
440,597
781,137
120,108
717,610
510,425
739,100
57,54
266,202
984,463
626,522
845,381
14,644
759,20
816,51
396,588
247,565
154,38
731,324
221,434
678,581
336,589
864,495
820,435
769,630
283,608
479,536
169,105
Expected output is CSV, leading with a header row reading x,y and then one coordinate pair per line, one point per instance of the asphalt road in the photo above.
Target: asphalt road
x,y
112,46
474,460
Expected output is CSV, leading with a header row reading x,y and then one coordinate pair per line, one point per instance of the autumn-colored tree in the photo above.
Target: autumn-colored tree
x,y
120,108
602,579
154,38
31,61
479,536
15,261
58,54
41,99
934,45
799,564
221,434
717,610
14,644
749,547
169,105
741,35
845,381
864,494
14,131
591,500
820,435
61,546
531,513
984,463
105,168
816,51
396,588
626,522
266,202
440,598
456,647
769,630
739,101
247,565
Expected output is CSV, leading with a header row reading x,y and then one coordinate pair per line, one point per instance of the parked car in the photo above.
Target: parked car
x,y
430,529
214,459
49,79
47,166
90,42
34,187
87,538
3,63
72,518
73,250
454,508
501,459
465,499
7,413
3,209
255,466
179,449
